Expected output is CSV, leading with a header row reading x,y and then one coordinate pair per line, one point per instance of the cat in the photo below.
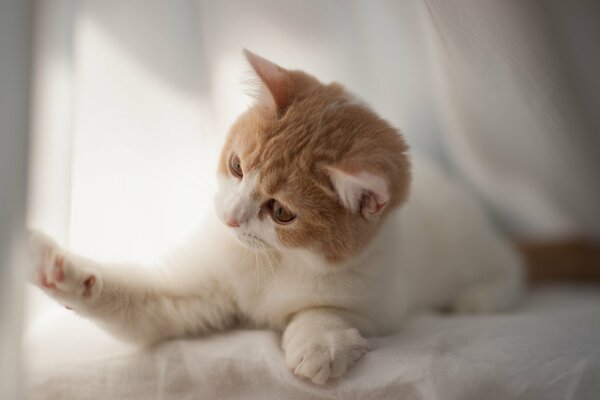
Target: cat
x,y
325,230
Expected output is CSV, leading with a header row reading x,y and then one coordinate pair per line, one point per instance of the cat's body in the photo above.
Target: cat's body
x,y
428,254
256,264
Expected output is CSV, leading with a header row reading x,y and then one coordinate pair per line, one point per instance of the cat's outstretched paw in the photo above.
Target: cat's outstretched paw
x,y
326,356
68,280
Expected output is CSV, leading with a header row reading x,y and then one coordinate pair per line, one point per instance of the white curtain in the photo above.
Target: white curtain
x,y
15,36
519,109
132,101
135,97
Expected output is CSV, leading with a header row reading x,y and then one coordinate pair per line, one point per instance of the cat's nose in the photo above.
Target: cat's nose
x,y
236,213
232,222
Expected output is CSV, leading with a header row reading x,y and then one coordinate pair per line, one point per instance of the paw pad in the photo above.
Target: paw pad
x,y
89,283
69,279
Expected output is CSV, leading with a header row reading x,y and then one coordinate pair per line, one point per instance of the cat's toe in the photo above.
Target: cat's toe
x,y
327,357
47,261
59,275
315,364
78,284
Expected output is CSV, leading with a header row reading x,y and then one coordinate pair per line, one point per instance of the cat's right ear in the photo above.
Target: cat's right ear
x,y
360,190
275,83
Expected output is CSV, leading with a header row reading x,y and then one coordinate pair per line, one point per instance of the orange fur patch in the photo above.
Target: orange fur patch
x,y
320,126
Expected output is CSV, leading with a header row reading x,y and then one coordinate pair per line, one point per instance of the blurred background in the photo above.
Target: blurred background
x,y
127,104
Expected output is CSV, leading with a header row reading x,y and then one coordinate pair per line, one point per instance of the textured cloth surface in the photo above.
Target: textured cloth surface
x,y
547,349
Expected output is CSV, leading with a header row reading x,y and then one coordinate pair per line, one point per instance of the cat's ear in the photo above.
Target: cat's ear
x,y
275,82
359,190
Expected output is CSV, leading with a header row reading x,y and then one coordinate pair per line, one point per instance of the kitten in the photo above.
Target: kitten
x,y
315,236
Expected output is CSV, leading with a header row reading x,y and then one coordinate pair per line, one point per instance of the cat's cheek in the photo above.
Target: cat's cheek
x,y
296,236
268,234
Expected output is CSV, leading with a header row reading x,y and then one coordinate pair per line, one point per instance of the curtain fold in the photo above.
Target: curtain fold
x,y
54,112
15,48
514,126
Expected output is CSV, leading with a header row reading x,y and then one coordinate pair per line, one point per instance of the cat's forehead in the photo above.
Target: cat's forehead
x,y
289,153
309,132
281,172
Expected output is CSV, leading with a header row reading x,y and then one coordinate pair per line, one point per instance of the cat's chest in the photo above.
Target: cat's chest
x,y
269,294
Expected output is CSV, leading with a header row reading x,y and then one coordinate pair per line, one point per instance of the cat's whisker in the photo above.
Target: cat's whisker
x,y
263,255
258,267
269,262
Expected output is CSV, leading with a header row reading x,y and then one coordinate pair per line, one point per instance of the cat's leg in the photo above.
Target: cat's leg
x,y
322,343
141,307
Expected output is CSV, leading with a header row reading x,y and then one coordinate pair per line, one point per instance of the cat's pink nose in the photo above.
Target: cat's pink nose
x,y
232,222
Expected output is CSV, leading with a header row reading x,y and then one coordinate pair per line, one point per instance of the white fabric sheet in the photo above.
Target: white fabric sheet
x,y
547,349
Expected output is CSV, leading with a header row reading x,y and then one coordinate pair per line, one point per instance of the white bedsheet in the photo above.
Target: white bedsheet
x,y
548,349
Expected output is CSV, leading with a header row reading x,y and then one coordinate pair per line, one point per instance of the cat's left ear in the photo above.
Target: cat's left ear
x,y
360,191
276,83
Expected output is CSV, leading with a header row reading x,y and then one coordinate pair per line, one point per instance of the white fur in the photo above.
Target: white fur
x,y
438,250
237,199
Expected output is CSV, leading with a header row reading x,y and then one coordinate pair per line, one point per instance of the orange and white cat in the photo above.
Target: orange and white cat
x,y
325,230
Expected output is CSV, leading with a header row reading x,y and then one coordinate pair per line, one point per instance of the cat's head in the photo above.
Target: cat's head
x,y
309,167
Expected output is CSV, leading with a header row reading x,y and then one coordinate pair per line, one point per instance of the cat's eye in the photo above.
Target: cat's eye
x,y
280,214
235,166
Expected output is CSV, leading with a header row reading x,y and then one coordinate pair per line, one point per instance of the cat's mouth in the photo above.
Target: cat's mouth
x,y
252,241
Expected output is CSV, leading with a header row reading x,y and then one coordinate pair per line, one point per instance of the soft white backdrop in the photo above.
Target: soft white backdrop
x,y
134,98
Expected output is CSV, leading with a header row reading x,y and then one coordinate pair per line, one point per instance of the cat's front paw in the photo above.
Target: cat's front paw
x,y
71,282
325,356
